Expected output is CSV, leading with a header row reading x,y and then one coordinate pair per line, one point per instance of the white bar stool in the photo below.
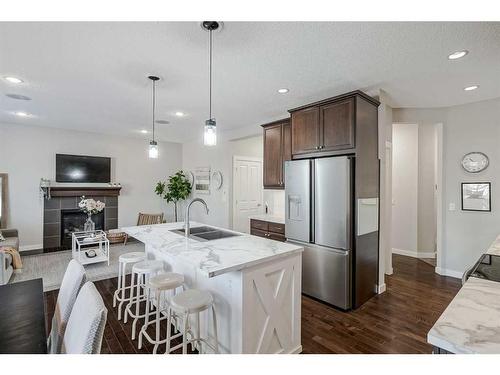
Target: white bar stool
x,y
160,284
123,260
141,272
191,301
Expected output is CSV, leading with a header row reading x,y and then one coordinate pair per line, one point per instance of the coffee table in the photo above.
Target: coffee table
x,y
86,244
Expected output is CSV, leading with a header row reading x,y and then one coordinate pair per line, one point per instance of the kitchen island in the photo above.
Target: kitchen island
x,y
471,322
255,282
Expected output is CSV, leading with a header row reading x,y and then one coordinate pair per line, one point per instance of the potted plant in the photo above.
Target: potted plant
x,y
176,188
90,207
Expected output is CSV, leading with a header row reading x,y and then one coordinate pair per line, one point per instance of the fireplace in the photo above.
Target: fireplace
x,y
73,221
61,214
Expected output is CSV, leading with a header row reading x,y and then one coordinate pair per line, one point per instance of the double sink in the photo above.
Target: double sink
x,y
206,233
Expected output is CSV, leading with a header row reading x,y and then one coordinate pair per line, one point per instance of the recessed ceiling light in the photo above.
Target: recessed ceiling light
x,y
162,122
470,88
144,131
22,114
13,79
18,97
283,91
457,55
180,114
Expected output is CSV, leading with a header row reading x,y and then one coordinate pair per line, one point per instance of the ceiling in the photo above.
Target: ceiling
x,y
93,76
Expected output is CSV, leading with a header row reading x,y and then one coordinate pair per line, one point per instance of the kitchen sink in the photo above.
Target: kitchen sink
x,y
215,235
206,233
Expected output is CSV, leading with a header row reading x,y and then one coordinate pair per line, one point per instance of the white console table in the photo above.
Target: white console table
x,y
84,242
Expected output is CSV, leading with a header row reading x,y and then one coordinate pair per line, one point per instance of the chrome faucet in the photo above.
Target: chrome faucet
x,y
186,216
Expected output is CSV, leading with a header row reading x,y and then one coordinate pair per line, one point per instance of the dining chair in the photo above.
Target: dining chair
x,y
73,279
149,219
85,328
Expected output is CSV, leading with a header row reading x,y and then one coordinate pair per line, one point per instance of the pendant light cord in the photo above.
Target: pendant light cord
x,y
210,75
154,107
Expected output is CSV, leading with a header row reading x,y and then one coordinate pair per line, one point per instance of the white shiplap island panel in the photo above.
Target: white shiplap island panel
x,y
256,284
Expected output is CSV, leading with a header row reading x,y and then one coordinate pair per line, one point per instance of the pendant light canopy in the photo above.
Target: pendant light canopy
x,y
210,133
153,146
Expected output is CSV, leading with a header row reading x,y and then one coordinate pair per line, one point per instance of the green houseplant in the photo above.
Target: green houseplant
x,y
176,188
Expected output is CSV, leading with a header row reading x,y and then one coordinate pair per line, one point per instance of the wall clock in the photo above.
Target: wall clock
x,y
475,162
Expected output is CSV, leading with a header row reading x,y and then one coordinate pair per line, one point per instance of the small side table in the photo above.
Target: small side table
x,y
83,243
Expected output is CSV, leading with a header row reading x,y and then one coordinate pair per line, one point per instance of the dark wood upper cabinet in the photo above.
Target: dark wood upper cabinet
x,y
287,141
327,127
277,149
337,125
305,131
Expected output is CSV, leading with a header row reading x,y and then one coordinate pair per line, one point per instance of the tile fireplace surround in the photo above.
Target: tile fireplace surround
x,y
52,216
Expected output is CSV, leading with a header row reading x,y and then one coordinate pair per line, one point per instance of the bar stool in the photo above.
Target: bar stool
x,y
192,301
142,272
160,284
123,260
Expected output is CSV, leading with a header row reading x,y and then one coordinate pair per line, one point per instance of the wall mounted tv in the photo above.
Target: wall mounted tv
x,y
81,168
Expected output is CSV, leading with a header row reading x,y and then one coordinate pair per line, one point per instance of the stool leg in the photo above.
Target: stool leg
x,y
137,303
157,325
184,336
146,319
123,283
169,319
128,308
197,338
214,318
119,284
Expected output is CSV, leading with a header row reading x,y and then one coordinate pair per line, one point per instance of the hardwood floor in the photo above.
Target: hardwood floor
x,y
396,321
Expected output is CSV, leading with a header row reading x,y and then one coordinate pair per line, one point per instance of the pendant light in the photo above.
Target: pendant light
x,y
153,145
210,133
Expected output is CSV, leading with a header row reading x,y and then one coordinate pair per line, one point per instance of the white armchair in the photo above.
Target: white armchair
x,y
11,240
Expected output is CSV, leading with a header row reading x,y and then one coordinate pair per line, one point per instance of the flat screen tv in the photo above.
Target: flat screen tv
x,y
81,168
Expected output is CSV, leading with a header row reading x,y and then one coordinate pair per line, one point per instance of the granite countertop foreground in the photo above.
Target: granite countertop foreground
x,y
471,322
214,257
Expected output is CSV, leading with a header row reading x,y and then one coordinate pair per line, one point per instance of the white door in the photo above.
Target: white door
x,y
247,191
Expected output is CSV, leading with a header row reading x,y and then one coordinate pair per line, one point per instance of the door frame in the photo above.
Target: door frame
x,y
439,192
233,175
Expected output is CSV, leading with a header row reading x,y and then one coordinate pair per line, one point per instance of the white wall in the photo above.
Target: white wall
x,y
220,157
466,128
27,153
404,187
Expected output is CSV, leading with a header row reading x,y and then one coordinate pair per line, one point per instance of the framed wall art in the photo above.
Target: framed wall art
x,y
476,196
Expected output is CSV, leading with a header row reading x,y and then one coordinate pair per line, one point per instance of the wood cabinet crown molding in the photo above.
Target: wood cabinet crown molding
x,y
360,93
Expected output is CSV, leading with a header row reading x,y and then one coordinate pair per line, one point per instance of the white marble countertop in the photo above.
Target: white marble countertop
x,y
214,257
471,322
268,217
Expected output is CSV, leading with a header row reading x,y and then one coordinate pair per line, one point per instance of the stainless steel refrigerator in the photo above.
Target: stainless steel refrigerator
x,y
319,216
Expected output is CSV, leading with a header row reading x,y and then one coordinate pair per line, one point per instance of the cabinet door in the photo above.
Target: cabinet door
x,y
272,156
286,148
337,125
305,130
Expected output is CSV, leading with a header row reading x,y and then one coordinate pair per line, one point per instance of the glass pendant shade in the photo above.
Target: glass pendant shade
x,y
153,150
210,134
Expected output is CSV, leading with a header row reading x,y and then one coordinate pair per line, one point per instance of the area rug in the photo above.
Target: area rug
x,y
51,266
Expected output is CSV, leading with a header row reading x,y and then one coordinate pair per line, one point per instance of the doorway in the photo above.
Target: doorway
x,y
415,191
247,191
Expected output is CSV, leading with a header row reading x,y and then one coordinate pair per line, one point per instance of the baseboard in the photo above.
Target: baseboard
x,y
447,272
381,288
414,254
30,247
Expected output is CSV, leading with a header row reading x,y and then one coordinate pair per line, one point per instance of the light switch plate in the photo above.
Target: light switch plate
x,y
452,207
